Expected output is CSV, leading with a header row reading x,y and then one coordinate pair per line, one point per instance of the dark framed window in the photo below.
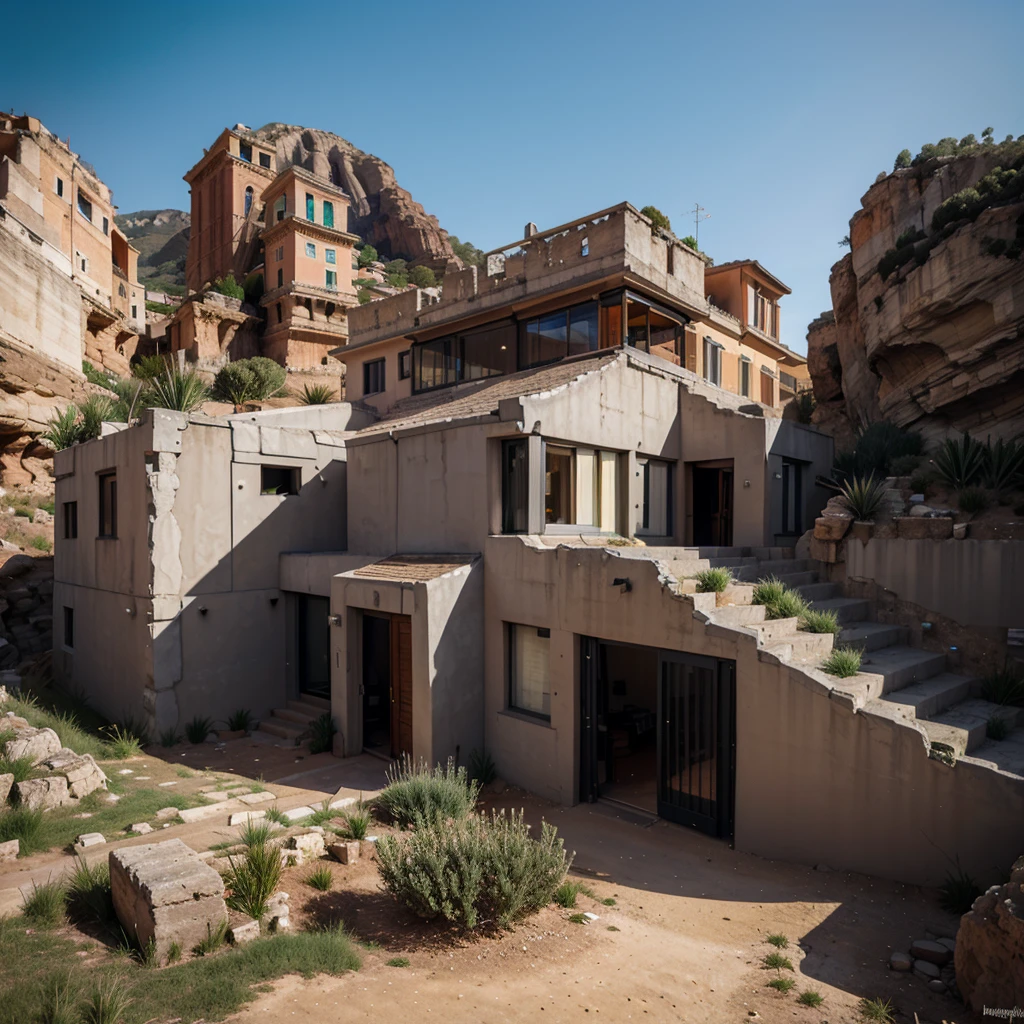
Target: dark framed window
x,y
248,199
328,214
245,152
60,187
278,306
405,364
106,226
529,670
108,504
69,627
554,336
280,278
264,159
713,361
373,377
70,515
310,207
280,480
84,207
745,376
514,486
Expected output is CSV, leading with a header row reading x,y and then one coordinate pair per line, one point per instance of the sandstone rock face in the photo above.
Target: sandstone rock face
x,y
990,946
935,347
6,781
382,212
164,893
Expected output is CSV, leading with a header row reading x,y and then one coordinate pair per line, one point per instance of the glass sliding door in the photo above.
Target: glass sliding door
x,y
314,646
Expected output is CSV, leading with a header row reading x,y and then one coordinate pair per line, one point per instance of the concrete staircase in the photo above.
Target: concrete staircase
x,y
293,722
904,683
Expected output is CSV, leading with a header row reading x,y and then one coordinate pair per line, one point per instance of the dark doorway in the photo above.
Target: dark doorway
x,y
712,497
792,497
377,682
657,732
401,685
314,646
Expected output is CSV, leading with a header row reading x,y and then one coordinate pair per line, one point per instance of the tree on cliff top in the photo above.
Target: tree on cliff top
x,y
658,218
466,251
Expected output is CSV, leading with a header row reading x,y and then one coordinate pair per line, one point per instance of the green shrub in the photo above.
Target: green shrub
x,y
843,662
903,159
778,940
93,413
973,501
395,267
882,442
419,795
107,1003
909,237
123,744
397,280
473,870
322,732
253,288
878,1010
270,376
94,376
227,285
780,601
44,906
481,767
466,251
569,891
398,961
41,544
215,937
713,581
198,729
88,893
422,277
959,891
254,878
960,462
921,480
148,367
782,985
182,392
810,998
320,879
820,622
256,833
776,962
367,255
357,823
657,218
240,720
1004,687
63,429
170,737
864,497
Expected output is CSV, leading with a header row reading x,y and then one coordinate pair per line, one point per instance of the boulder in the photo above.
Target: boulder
x,y
935,952
83,775
926,969
346,852
164,893
832,527
6,781
43,794
990,946
242,928
310,843
37,744
9,851
900,961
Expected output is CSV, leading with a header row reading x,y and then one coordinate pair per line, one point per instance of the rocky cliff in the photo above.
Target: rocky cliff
x,y
382,213
927,324
161,236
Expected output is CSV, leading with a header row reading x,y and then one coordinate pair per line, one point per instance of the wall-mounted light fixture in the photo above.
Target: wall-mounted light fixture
x,y
273,602
624,582
203,610
334,620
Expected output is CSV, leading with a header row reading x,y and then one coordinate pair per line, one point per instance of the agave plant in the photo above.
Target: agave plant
x,y
177,390
864,497
64,429
960,462
316,394
94,410
1004,465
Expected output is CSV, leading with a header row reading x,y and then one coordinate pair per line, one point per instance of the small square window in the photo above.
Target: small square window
x,y
311,250
405,364
108,504
331,280
84,207
529,670
245,152
60,187
373,377
69,628
70,520
264,159
331,255
106,226
279,480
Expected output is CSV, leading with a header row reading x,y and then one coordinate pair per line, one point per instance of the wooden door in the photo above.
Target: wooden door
x,y
401,685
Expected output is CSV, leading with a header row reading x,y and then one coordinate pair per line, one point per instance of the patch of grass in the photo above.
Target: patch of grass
x,y
820,622
776,962
578,918
254,879
482,768
41,543
810,998
59,998
357,823
608,901
959,891
198,729
398,961
780,602
21,768
778,940
45,905
215,938
24,825
88,893
321,879
255,833
997,728
174,952
322,815
568,892
782,985
276,815
877,1009
843,662
107,1003
713,581
417,794
184,773
123,744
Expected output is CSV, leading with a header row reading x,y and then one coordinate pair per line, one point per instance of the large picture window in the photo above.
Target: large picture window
x,y
580,488
529,669
486,352
554,336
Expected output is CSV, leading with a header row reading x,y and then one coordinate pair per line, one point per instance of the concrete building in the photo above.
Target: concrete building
x,y
55,211
482,555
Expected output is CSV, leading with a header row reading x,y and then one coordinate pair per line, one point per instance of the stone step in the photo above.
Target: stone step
x,y
930,697
773,631
847,609
313,706
281,729
871,636
819,591
732,562
776,567
964,725
738,614
1005,755
900,666
303,718
799,579
802,646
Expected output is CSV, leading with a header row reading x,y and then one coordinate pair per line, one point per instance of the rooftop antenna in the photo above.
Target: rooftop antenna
x,y
697,218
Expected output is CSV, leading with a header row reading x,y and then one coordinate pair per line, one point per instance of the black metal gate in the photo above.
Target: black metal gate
x,y
589,670
697,741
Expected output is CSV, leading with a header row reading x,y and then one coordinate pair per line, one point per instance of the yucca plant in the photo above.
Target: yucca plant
x,y
94,411
864,497
320,878
63,430
1004,465
316,394
254,879
198,729
240,720
176,390
960,462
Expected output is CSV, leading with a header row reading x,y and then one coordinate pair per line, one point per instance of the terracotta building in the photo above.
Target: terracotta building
x,y
64,213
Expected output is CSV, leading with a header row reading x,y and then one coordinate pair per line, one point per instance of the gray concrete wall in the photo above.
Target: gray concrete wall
x,y
974,582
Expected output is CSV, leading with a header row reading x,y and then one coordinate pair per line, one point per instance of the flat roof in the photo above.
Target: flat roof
x,y
412,568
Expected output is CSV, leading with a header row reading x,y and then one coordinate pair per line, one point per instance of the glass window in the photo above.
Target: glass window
x,y
744,376
405,364
280,278
373,377
544,339
69,627
84,207
245,152
529,669
311,250
580,487
559,478
712,361
328,214
331,280
264,159
514,486
583,328
433,365
248,200
666,336
637,327
70,520
488,352
108,504
280,207
60,186
279,253
656,517
106,226
310,207
330,255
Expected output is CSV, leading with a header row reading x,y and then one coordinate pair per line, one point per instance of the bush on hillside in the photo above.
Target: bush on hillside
x,y
228,286
658,219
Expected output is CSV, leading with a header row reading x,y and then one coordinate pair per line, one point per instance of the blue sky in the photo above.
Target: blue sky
x,y
774,117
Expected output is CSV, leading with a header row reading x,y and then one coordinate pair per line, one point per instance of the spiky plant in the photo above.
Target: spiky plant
x,y
94,411
320,879
1004,687
959,891
960,462
820,622
64,429
864,497
713,581
843,662
240,720
973,501
198,729
176,390
1004,465
148,367
316,394
878,1010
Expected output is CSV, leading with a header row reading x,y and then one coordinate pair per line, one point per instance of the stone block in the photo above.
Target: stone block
x,y
900,961
164,893
87,839
9,851
345,853
217,797
258,798
292,858
200,813
6,781
911,528
310,843
926,969
935,952
244,817
242,928
296,813
166,813
37,744
959,531
142,828
83,774
832,527
43,794
345,801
